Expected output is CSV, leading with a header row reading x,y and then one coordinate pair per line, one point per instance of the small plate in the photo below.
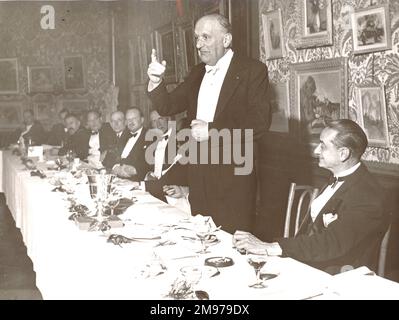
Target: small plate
x,y
206,271
219,262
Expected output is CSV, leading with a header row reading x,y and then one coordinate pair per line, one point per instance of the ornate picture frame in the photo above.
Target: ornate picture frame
x,y
40,79
313,99
315,29
371,29
373,114
9,82
74,73
273,34
188,47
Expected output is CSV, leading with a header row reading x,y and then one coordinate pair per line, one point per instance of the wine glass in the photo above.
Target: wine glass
x,y
257,262
113,202
203,232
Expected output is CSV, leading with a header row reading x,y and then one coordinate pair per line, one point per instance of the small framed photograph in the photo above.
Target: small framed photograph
x,y
371,29
74,73
313,99
40,79
10,114
165,42
315,28
75,106
273,34
9,76
188,47
373,115
280,105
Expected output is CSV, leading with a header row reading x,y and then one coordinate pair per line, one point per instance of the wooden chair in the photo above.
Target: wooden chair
x,y
383,252
304,191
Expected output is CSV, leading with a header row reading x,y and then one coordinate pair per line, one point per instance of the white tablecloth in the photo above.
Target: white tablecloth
x,y
74,264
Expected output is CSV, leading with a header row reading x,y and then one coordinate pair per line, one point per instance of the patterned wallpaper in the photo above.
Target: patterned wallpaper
x,y
81,28
378,67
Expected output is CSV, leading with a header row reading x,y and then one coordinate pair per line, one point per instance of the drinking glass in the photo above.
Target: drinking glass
x,y
257,262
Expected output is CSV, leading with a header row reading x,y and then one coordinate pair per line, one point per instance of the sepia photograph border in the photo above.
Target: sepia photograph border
x,y
319,39
384,143
380,9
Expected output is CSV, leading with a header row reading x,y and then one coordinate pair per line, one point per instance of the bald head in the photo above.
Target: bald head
x,y
118,121
213,38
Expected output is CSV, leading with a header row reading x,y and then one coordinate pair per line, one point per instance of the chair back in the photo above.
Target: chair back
x,y
298,192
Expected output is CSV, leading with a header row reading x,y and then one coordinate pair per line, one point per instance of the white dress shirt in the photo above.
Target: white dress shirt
x,y
130,144
328,192
211,85
94,145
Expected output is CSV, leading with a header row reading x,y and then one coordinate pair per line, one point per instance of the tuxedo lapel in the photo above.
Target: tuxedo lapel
x,y
196,84
230,83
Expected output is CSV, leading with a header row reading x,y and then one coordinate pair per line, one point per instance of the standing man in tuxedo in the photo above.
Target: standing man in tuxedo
x,y
132,164
225,91
33,132
347,220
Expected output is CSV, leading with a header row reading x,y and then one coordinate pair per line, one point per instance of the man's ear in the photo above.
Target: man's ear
x,y
345,154
227,40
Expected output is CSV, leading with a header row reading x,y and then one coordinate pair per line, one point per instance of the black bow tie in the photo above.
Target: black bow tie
x,y
332,181
133,134
93,133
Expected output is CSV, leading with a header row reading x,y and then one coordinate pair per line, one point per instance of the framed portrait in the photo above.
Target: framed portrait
x,y
75,106
273,34
313,99
188,47
165,42
280,105
74,73
10,115
371,29
373,115
315,29
40,79
9,76
217,6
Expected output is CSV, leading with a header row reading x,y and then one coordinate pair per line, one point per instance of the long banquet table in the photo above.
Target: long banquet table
x,y
75,264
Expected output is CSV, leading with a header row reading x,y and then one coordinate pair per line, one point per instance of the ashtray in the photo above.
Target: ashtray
x,y
219,262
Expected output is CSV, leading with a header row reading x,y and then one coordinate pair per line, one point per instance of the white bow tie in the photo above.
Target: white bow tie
x,y
212,69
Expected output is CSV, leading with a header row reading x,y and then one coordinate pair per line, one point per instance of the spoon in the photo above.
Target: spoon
x,y
201,295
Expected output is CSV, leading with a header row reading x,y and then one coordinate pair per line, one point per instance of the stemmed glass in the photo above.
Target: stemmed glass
x,y
113,202
203,232
257,262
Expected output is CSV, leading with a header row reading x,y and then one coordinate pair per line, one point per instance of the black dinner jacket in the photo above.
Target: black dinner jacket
x,y
106,136
113,155
352,239
37,134
77,143
136,157
57,135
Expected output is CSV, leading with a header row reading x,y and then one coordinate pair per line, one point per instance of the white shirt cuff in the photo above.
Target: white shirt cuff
x,y
274,249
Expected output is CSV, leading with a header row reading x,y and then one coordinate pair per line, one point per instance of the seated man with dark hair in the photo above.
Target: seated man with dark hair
x,y
33,132
347,220
76,139
59,132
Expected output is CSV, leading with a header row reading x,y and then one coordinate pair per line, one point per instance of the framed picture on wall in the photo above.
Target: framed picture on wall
x,y
373,115
45,111
188,47
280,105
315,29
217,6
40,79
74,73
313,99
10,114
165,42
273,34
75,106
371,29
9,76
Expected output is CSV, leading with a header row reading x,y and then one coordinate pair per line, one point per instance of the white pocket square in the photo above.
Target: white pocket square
x,y
328,218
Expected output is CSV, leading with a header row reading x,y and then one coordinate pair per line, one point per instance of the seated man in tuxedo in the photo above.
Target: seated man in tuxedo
x,y
59,131
347,220
77,138
33,132
119,138
100,138
131,163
